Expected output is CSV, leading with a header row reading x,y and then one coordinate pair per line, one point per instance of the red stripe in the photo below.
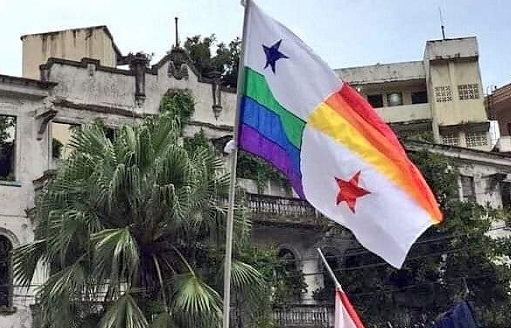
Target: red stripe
x,y
349,308
354,108
368,114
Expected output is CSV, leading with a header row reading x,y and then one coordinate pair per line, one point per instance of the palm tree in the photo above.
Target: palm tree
x,y
131,229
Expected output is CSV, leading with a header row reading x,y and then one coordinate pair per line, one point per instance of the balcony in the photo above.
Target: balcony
x,y
294,316
304,316
282,210
405,113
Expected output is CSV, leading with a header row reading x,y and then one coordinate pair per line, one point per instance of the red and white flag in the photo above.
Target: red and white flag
x,y
345,314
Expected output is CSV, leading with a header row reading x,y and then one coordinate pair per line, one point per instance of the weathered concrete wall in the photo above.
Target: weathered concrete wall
x,y
92,42
116,88
30,157
18,196
452,74
22,318
382,73
451,48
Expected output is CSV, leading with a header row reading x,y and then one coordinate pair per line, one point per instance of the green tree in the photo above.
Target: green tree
x,y
132,229
6,122
224,59
456,260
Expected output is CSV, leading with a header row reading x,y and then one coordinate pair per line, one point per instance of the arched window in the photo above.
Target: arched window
x,y
5,273
290,284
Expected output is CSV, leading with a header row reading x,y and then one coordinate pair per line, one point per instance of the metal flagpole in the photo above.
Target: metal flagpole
x,y
329,269
232,182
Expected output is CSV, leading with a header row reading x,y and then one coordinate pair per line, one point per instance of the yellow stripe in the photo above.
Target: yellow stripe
x,y
325,119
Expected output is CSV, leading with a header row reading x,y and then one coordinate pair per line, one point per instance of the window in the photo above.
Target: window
x,y
505,193
420,97
468,91
290,275
394,99
375,100
443,94
467,188
5,273
475,139
7,147
451,139
61,134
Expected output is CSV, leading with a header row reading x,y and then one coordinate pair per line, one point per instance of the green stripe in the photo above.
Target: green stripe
x,y
256,88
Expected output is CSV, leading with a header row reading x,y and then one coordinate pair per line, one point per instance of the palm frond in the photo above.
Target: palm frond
x,y
125,313
25,259
116,255
195,302
62,295
163,320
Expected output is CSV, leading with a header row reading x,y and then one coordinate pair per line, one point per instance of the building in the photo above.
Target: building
x,y
440,96
91,42
498,105
73,77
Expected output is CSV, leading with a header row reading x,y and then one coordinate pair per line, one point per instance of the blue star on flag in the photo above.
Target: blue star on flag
x,y
273,54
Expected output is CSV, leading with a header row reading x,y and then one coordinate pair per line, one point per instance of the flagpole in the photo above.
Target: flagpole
x,y
232,182
329,269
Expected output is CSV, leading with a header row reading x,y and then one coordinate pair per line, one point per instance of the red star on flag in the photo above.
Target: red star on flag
x,y
349,191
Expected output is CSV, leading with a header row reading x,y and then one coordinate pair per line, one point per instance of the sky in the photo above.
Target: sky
x,y
345,33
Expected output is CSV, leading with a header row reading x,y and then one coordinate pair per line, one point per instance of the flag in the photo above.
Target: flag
x,y
345,314
296,114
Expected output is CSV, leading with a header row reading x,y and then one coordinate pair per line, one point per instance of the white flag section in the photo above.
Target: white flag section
x,y
345,314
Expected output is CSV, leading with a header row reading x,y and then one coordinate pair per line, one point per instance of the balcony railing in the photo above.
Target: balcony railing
x,y
282,209
263,204
317,316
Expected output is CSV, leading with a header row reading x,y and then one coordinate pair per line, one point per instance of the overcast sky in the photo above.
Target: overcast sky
x,y
344,33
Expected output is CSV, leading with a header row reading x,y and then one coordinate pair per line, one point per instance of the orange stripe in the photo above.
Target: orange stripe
x,y
349,308
370,127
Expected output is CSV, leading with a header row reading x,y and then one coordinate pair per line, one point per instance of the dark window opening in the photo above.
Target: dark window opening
x,y
110,133
505,193
468,188
420,97
5,273
7,147
375,100
509,128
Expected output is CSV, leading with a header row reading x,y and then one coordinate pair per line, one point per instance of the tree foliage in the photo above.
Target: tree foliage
x,y
224,59
6,123
132,231
456,260
179,104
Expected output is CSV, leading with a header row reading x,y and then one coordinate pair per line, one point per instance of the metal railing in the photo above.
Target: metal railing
x,y
304,316
283,206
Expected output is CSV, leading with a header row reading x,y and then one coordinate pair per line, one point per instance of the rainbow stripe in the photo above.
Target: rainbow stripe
x,y
269,131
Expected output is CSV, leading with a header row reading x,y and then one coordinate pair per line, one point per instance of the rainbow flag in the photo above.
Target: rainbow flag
x,y
327,140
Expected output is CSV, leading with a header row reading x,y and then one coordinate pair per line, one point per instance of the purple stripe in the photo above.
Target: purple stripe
x,y
253,142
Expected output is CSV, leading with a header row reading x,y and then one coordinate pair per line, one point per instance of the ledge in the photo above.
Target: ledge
x,y
7,310
10,183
